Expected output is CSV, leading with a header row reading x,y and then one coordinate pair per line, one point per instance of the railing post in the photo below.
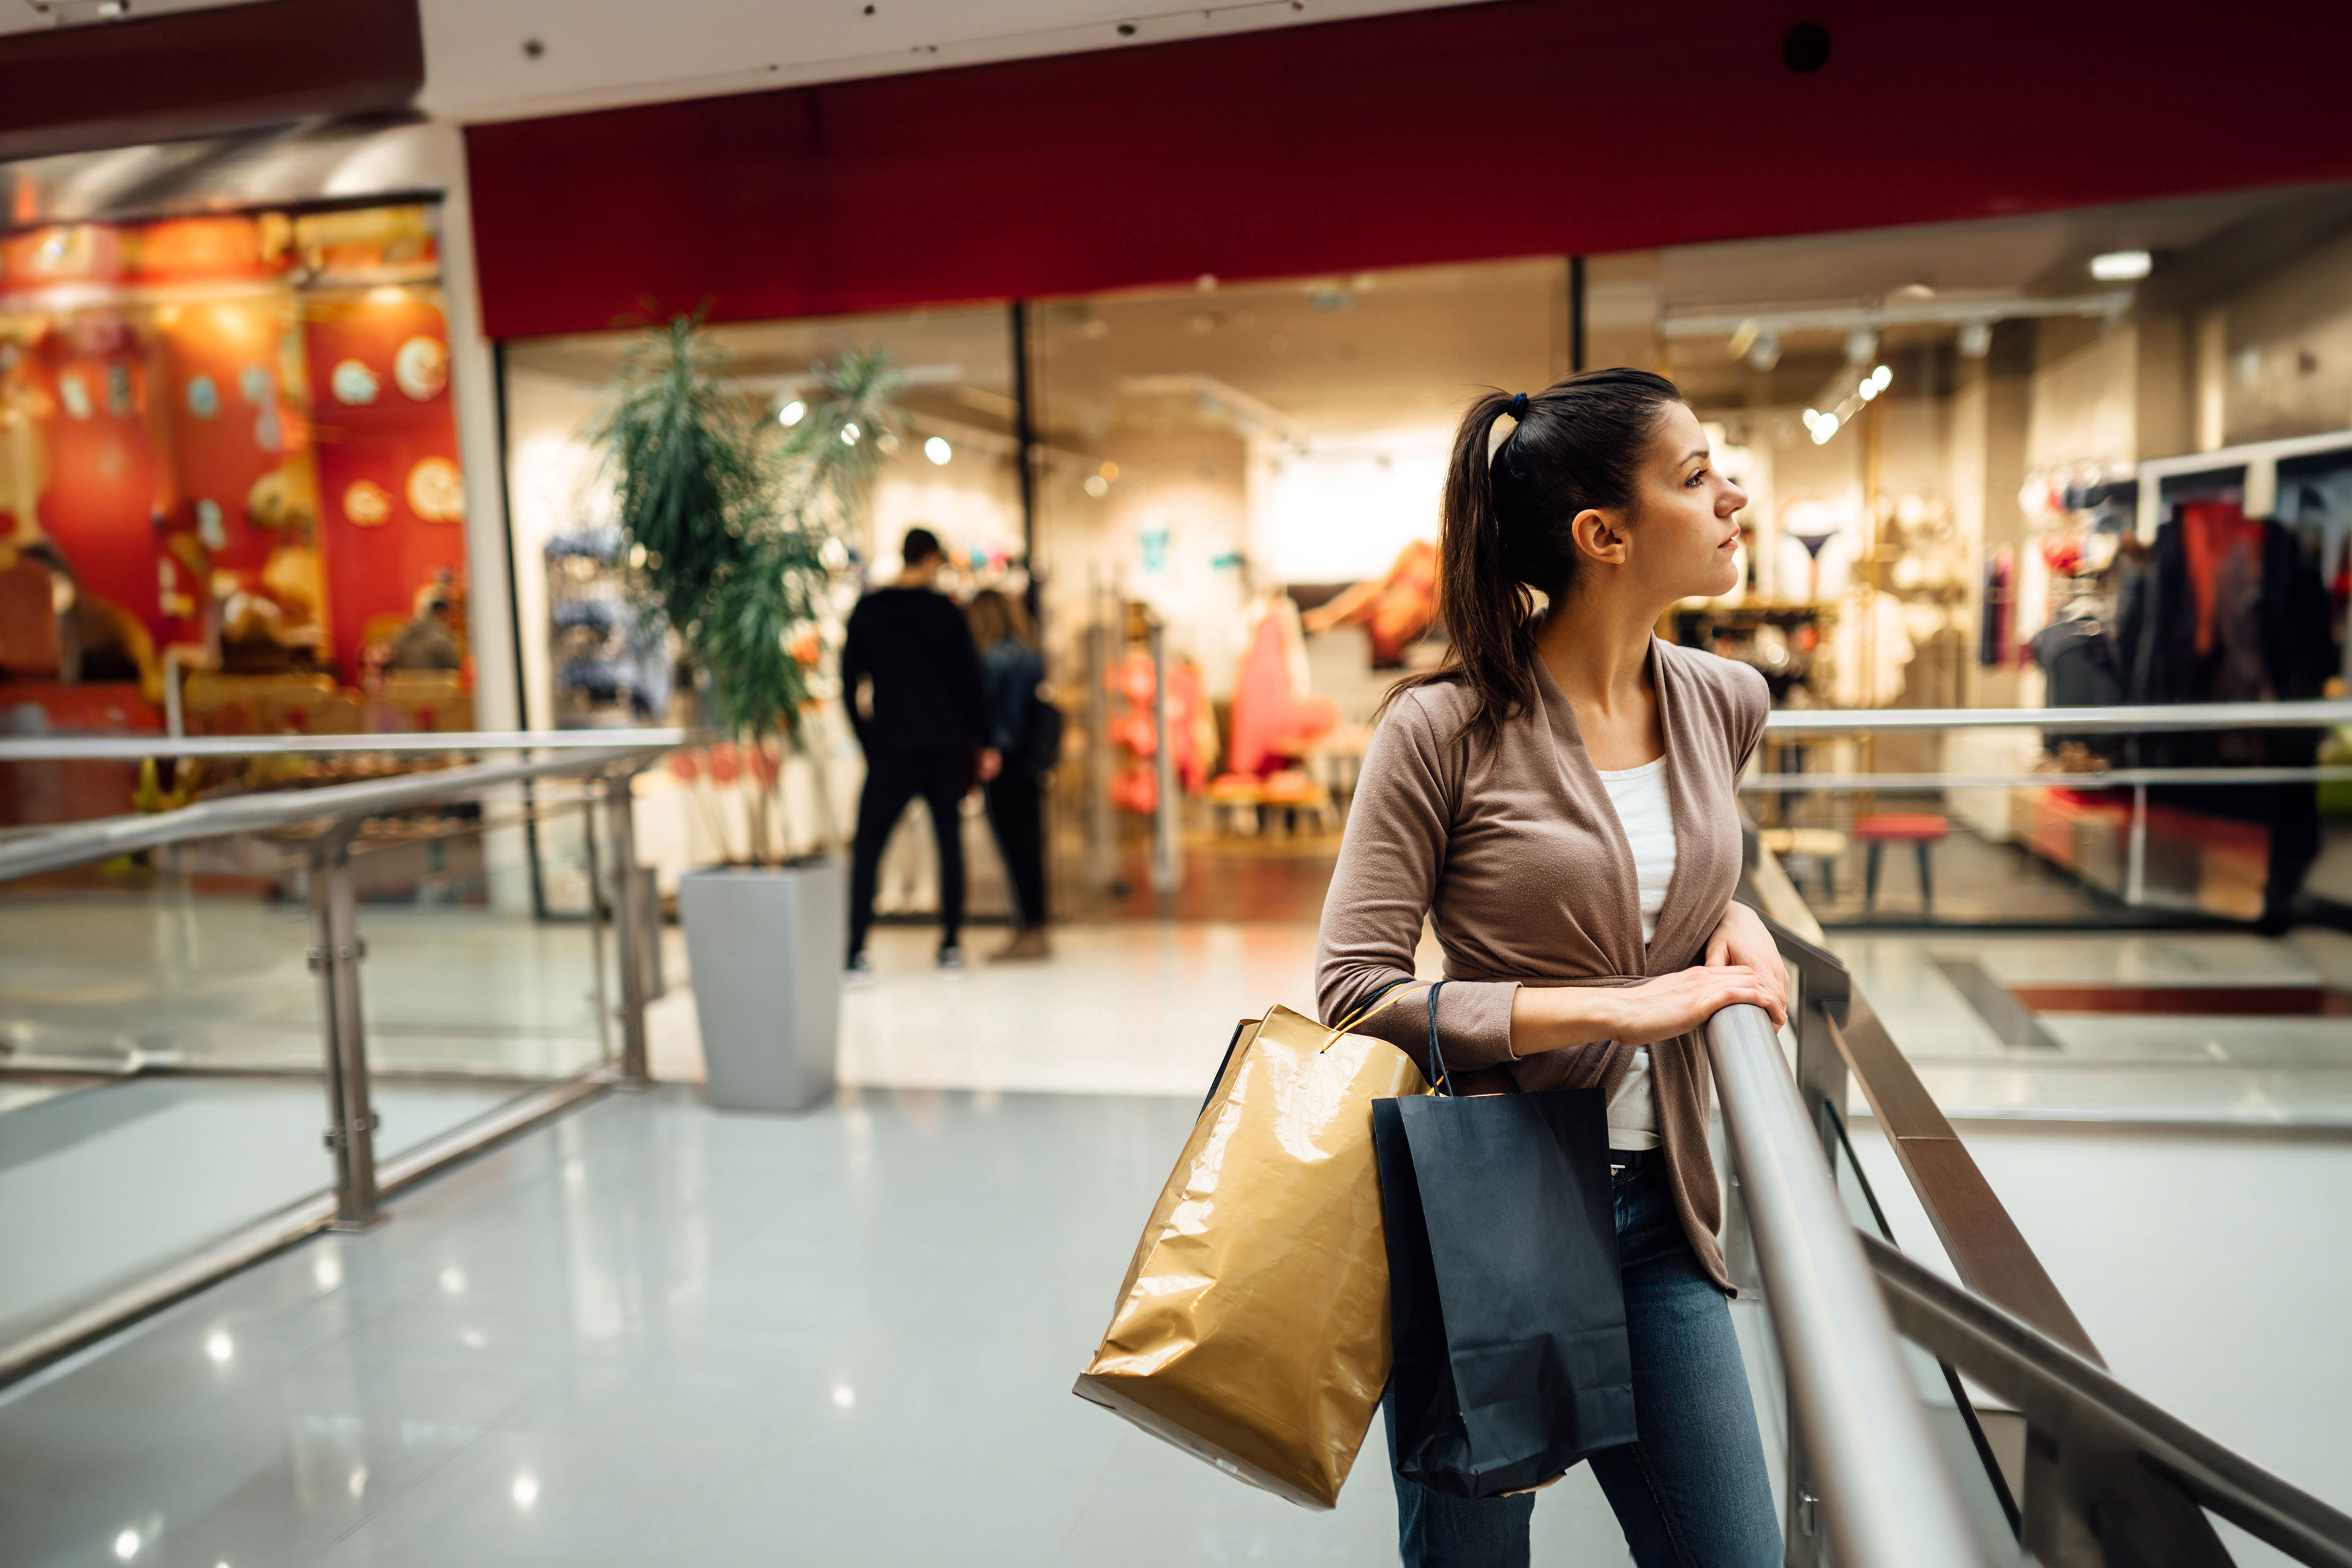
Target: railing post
x,y
336,950
634,929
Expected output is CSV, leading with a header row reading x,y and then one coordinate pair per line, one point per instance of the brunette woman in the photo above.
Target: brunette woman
x,y
1012,670
1558,799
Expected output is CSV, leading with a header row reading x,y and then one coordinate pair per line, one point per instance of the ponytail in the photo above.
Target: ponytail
x,y
1504,533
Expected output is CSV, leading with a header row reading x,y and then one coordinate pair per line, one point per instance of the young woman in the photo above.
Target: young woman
x,y
1012,670
1558,800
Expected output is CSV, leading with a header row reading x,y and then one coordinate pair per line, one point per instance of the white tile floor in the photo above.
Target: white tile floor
x,y
651,1334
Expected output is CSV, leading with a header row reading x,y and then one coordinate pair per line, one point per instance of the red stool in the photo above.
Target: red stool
x,y
1917,828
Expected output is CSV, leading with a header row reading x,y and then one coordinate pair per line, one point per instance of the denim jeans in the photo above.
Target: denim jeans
x,y
1692,1493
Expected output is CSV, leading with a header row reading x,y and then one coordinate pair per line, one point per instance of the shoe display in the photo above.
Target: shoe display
x,y
859,971
1026,945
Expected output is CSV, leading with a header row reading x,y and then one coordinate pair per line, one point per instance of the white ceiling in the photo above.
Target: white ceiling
x,y
594,54
597,53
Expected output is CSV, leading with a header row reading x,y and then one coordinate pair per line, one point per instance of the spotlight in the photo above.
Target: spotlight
x,y
1976,339
2122,266
1765,353
937,450
849,434
1860,346
793,412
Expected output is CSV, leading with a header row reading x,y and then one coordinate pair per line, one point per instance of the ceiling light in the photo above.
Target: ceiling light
x,y
1860,346
937,450
843,1396
219,1346
1766,353
793,412
526,1489
849,434
126,1545
2121,265
1096,486
1976,339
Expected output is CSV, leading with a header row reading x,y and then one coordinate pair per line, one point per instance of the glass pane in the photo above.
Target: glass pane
x,y
1256,469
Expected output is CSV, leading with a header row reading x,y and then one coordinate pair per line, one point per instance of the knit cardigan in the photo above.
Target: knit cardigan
x,y
1512,849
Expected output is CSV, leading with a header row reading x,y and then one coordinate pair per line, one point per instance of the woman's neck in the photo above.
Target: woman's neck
x,y
1598,650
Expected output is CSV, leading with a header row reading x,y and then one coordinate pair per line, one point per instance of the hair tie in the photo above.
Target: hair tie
x,y
1518,408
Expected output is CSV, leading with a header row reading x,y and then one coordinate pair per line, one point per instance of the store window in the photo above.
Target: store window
x,y
229,482
951,467
1255,470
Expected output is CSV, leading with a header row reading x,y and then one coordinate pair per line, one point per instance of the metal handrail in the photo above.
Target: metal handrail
x,y
1895,1504
2317,714
135,748
2060,1389
81,843
2115,1465
2103,778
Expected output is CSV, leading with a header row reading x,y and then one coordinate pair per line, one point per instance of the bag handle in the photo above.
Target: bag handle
x,y
1388,994
1437,1073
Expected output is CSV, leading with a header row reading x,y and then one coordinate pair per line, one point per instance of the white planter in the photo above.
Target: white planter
x,y
765,947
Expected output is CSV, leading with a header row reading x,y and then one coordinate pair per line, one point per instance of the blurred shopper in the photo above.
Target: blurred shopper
x,y
926,735
1560,797
1018,725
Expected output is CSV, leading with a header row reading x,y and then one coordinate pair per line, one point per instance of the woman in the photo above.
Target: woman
x,y
1558,798
1010,672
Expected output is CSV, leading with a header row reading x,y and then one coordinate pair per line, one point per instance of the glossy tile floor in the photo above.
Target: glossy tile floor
x,y
2175,1067
651,1335
103,1184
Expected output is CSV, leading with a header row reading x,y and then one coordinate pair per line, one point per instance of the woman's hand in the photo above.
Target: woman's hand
x,y
1560,1017
1742,939
1674,1005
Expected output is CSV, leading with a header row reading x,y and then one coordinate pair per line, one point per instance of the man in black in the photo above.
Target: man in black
x,y
930,719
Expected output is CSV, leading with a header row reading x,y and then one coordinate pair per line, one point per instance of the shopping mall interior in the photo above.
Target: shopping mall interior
x,y
361,773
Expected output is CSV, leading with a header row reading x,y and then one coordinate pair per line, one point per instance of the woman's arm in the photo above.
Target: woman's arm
x,y
1398,827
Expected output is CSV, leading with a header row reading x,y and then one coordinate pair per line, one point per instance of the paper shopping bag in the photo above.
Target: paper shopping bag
x,y
1253,1327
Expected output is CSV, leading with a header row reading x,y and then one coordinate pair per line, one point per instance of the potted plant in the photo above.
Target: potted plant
x,y
734,520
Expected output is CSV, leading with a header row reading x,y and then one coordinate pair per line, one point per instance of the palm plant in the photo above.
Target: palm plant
x,y
737,517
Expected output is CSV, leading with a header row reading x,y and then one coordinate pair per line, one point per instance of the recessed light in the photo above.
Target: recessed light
x,y
2121,265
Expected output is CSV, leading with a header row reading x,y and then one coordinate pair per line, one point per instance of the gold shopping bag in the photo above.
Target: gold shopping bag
x,y
1253,1327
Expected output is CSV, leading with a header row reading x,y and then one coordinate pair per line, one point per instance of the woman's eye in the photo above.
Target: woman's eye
x,y
1695,477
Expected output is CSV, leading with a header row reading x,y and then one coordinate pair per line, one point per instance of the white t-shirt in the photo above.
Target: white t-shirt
x,y
1639,795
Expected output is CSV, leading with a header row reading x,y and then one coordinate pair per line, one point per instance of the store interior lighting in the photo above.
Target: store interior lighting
x,y
792,413
2122,266
937,450
1822,425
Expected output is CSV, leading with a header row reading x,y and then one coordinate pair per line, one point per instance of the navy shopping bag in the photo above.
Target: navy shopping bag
x,y
1504,1303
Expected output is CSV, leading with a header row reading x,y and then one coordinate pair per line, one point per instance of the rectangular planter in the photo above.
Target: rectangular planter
x,y
765,946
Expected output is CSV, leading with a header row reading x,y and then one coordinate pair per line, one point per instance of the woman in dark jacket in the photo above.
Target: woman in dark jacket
x,y
1012,670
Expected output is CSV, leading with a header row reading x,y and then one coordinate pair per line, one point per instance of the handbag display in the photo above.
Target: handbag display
x,y
1507,1310
1253,1327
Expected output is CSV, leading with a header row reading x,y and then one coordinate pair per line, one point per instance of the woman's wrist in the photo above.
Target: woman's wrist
x,y
1560,1017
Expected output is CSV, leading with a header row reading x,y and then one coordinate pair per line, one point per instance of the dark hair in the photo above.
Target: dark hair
x,y
1504,526
919,546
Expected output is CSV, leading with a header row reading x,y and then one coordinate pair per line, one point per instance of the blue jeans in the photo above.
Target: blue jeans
x,y
1692,1493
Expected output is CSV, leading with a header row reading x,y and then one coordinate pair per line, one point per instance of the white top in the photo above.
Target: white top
x,y
1639,795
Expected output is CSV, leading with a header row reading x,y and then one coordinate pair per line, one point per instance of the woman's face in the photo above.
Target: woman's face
x,y
1683,541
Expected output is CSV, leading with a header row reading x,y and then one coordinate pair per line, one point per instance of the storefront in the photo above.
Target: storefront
x,y
234,492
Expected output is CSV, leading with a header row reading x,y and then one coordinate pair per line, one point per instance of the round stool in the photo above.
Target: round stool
x,y
1919,830
1810,849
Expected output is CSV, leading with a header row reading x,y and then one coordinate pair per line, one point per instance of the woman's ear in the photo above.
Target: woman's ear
x,y
1600,535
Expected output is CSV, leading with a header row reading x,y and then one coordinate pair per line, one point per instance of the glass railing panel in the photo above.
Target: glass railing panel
x,y
163,1083
469,974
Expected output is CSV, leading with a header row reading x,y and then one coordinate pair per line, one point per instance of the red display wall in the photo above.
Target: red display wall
x,y
1520,128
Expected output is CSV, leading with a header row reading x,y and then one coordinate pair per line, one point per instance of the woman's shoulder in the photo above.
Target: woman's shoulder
x,y
1426,711
1738,687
